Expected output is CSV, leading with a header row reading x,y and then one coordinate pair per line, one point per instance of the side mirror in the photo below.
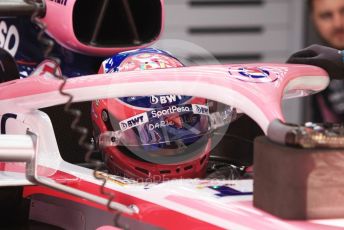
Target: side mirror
x,y
99,28
103,28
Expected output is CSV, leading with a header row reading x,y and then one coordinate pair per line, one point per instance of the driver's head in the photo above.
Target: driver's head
x,y
151,137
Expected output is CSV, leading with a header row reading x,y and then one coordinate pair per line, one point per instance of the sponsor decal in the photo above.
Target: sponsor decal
x,y
224,190
47,68
155,101
9,38
108,65
200,109
115,179
253,74
160,125
164,117
170,110
61,2
165,99
4,119
133,121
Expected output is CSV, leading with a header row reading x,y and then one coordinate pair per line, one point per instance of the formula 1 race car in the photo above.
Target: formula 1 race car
x,y
39,186
29,137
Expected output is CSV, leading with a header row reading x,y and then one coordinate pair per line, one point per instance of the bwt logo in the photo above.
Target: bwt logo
x,y
133,121
166,99
200,109
61,2
9,38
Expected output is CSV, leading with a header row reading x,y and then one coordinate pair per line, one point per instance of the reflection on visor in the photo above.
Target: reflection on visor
x,y
113,139
167,125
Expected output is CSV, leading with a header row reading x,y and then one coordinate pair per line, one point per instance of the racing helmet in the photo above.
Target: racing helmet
x,y
156,137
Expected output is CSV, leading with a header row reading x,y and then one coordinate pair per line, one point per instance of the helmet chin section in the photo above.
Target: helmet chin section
x,y
124,165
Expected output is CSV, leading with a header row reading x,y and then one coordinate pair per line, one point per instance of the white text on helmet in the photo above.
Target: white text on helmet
x,y
200,109
160,124
164,99
170,110
133,121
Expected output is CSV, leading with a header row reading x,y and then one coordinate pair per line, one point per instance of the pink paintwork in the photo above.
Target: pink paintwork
x,y
258,95
200,206
239,212
255,89
59,23
108,228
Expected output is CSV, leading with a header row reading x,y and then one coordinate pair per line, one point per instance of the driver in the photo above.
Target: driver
x,y
154,138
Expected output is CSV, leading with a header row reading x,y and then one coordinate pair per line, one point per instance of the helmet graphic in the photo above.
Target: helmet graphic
x,y
154,137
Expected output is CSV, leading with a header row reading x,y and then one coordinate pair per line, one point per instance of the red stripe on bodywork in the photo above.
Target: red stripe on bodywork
x,y
149,212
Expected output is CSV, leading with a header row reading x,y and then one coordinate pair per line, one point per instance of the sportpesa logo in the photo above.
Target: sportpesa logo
x,y
170,110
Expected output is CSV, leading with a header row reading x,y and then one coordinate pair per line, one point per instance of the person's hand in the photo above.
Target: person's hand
x,y
327,58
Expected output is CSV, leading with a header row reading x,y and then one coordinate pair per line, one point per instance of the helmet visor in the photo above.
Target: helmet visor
x,y
163,126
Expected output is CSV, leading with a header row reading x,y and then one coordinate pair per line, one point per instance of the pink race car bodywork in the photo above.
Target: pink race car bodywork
x,y
65,35
254,89
258,96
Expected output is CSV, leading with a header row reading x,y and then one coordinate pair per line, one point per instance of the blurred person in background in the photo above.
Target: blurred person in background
x,y
328,19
